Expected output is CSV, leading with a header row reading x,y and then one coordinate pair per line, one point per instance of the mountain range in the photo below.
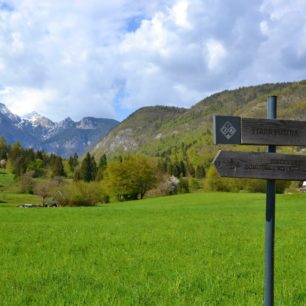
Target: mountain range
x,y
63,138
155,130
176,132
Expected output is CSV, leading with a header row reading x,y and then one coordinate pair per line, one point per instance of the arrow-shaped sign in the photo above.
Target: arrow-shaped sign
x,y
273,132
261,165
236,130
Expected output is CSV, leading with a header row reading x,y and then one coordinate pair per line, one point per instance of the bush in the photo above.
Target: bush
x,y
195,184
183,186
293,187
47,188
26,183
214,182
166,186
83,194
281,186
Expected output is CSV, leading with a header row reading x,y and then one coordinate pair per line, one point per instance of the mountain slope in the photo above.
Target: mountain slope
x,y
192,128
139,128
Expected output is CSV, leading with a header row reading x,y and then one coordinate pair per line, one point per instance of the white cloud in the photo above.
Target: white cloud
x,y
215,54
100,58
23,100
180,14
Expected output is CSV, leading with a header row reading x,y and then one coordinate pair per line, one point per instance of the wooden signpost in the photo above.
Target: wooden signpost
x,y
236,130
273,132
270,166
261,165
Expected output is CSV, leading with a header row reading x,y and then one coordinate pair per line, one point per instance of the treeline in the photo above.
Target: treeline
x,y
20,161
89,181
176,161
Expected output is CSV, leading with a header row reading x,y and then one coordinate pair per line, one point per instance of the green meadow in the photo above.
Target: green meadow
x,y
193,249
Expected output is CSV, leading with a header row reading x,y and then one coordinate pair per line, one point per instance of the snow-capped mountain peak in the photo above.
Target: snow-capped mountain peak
x,y
7,113
36,119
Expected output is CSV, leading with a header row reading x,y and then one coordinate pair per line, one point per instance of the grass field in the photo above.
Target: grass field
x,y
194,249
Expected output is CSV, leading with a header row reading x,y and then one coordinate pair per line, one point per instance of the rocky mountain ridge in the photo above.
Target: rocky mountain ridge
x,y
63,138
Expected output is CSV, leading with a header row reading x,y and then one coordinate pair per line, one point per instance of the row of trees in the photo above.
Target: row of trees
x,y
20,161
181,168
125,178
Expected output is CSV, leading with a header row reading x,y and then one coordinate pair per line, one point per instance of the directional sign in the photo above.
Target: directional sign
x,y
227,130
261,165
236,130
273,132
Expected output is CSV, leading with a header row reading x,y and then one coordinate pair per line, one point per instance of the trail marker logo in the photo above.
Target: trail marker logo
x,y
228,130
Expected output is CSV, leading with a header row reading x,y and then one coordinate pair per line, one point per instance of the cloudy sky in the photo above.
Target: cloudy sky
x,y
106,58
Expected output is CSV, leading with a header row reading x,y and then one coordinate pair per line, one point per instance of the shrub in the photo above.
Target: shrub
x,y
214,182
47,188
83,194
26,183
195,184
166,186
183,186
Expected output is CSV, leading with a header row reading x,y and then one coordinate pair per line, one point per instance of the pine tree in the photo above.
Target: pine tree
x,y
101,168
56,165
182,169
17,160
4,148
94,168
73,161
88,169
103,161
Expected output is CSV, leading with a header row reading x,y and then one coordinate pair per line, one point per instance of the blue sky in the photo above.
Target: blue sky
x,y
108,58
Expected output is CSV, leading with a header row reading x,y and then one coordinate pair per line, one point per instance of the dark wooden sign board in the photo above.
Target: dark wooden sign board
x,y
273,132
250,131
261,165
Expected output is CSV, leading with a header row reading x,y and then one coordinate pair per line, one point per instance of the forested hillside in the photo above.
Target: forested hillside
x,y
181,134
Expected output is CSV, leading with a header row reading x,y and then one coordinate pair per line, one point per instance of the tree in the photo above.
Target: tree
x,y
191,170
103,162
4,148
73,161
101,167
44,190
182,169
56,165
131,178
17,160
88,169
26,182
200,172
36,167
94,168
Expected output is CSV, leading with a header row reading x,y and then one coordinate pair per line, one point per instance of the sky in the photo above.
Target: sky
x,y
101,58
